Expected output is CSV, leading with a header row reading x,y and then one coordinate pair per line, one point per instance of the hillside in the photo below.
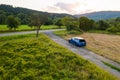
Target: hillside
x,y
16,10
24,13
101,15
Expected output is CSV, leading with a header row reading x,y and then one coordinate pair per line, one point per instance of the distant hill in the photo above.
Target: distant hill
x,y
101,15
24,13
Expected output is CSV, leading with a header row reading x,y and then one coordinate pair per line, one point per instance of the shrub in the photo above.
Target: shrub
x,y
113,29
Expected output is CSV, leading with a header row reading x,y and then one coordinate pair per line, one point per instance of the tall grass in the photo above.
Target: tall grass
x,y
25,57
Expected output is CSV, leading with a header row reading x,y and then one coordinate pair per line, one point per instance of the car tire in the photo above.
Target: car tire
x,y
69,41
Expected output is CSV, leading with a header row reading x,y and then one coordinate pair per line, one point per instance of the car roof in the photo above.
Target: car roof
x,y
78,38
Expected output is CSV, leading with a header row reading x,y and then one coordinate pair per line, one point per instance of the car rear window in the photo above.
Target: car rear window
x,y
82,40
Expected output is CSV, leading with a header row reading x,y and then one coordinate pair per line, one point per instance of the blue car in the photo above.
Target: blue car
x,y
77,41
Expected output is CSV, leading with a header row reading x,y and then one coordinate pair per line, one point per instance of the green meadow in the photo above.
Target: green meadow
x,y
4,28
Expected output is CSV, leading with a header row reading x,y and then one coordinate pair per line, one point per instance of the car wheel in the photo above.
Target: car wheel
x,y
69,41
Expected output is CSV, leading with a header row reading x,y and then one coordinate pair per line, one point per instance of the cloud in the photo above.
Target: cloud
x,y
69,8
85,11
53,9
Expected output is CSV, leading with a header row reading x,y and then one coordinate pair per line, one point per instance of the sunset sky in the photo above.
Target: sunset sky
x,y
66,6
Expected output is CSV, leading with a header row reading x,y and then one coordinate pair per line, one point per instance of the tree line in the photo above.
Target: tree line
x,y
16,16
85,24
82,24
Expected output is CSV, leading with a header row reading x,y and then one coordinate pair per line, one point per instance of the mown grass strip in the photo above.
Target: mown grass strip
x,y
112,66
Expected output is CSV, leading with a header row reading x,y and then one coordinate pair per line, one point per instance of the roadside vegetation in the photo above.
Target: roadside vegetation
x,y
64,33
112,66
25,57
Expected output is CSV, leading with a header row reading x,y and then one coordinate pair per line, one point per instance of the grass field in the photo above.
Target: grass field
x,y
102,44
25,57
22,27
3,28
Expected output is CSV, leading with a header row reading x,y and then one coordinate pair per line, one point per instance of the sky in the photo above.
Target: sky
x,y
66,6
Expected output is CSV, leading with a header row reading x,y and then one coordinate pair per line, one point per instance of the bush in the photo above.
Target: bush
x,y
102,25
86,24
70,23
113,29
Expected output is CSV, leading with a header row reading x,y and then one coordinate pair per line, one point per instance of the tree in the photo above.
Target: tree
x,y
48,22
37,20
85,24
117,19
102,25
12,22
58,22
2,18
114,29
23,17
70,23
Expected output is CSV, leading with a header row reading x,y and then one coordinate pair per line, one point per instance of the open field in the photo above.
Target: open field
x,y
22,27
26,57
102,44
3,28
